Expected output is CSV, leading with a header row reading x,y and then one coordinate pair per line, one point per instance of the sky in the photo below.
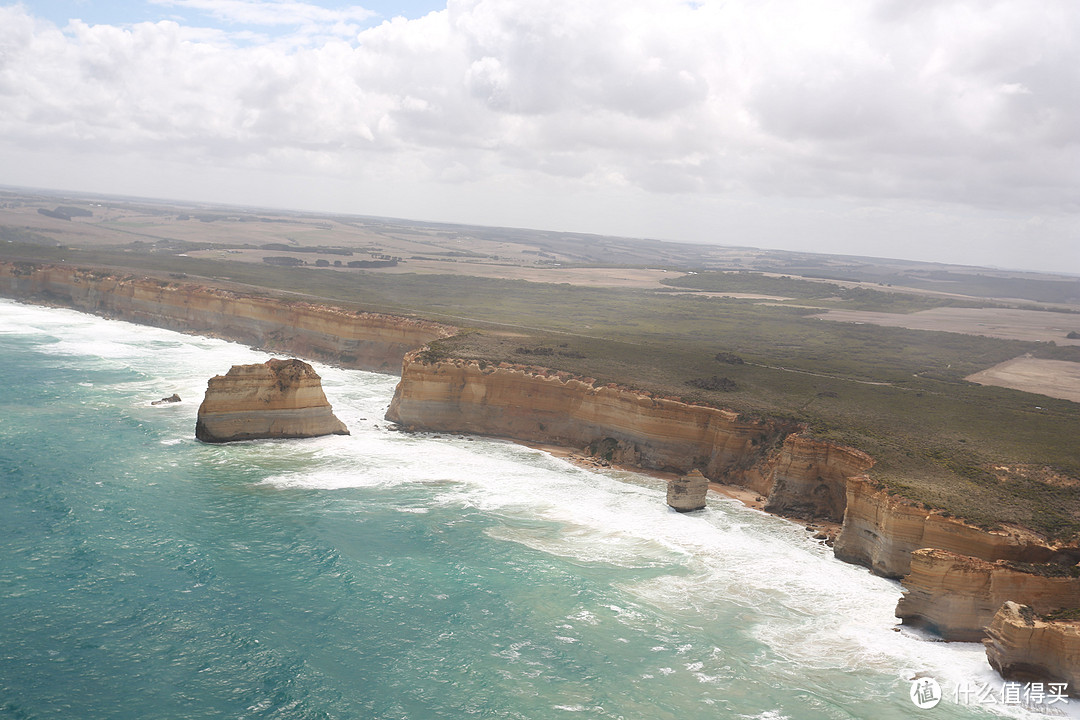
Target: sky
x,y
939,130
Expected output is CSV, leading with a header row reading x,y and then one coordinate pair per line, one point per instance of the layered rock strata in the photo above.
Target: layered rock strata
x,y
620,425
275,399
688,492
956,596
881,531
368,341
809,479
1022,647
799,476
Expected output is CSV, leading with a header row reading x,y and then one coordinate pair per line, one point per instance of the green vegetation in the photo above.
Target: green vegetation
x,y
1063,615
823,294
897,394
979,284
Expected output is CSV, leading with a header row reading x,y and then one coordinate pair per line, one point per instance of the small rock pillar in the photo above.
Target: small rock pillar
x,y
688,492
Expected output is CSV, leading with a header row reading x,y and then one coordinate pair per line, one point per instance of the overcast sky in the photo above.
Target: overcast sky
x,y
925,129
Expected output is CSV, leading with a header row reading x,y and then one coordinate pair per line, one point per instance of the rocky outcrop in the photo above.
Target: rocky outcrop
x,y
542,406
800,476
275,399
809,479
368,341
688,492
956,596
174,398
1022,647
959,580
881,531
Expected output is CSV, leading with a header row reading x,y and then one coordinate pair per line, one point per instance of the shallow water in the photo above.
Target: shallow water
x,y
382,575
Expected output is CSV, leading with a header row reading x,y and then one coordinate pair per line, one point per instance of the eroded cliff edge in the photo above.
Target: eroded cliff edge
x,y
275,399
957,595
799,476
1022,646
362,340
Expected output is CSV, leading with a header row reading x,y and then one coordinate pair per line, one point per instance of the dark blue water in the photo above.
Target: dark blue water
x,y
380,575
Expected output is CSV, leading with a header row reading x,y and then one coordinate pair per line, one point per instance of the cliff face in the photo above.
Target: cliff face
x,y
881,531
957,595
1021,647
368,341
802,477
547,407
276,399
809,479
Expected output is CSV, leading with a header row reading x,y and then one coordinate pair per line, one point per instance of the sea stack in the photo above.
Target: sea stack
x,y
688,492
275,399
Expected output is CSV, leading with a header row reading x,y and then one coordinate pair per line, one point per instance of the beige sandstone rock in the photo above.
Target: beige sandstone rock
x,y
371,341
275,399
533,405
1022,647
809,479
881,531
957,595
688,492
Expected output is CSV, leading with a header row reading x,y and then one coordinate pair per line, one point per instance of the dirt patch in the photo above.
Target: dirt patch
x,y
735,295
1053,378
1036,473
1028,325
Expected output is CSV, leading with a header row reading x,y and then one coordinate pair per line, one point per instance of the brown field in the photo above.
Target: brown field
x,y
1009,324
733,295
1054,378
586,277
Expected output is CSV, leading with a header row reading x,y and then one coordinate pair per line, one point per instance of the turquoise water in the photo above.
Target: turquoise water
x,y
146,575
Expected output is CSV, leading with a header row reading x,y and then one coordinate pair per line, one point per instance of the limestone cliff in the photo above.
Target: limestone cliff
x,y
881,531
800,476
1022,647
956,595
369,341
275,399
809,479
537,405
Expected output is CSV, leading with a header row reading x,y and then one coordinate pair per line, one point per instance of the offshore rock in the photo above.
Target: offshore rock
x,y
174,398
956,595
688,492
275,399
1022,647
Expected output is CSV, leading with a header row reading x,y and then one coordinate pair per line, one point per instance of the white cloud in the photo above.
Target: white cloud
x,y
271,12
972,103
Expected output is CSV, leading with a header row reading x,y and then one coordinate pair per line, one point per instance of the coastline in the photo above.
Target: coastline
x,y
803,480
748,498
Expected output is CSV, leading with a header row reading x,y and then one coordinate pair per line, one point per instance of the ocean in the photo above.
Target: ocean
x,y
144,574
